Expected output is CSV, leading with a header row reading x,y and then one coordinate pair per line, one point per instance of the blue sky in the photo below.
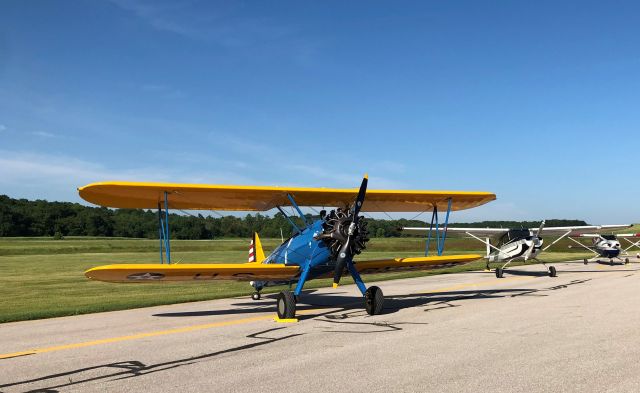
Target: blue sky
x,y
535,101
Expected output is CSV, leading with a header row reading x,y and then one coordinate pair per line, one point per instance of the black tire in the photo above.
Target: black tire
x,y
611,262
373,300
586,261
255,296
286,305
499,272
626,261
552,271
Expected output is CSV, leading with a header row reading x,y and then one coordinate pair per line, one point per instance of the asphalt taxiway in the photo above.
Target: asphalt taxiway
x,y
526,332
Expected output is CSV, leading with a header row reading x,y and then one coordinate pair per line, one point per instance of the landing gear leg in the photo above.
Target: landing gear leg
x,y
373,300
500,270
286,305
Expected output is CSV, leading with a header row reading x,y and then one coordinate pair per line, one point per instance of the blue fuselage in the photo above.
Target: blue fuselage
x,y
302,249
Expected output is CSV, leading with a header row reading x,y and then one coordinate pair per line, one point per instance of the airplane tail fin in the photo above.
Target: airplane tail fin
x,y
256,253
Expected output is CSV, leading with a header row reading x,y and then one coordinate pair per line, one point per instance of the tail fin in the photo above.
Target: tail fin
x,y
256,254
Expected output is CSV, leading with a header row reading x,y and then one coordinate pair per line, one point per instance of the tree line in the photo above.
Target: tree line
x,y
22,217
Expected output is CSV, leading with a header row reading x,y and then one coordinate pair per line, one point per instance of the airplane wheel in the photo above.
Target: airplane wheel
x,y
286,305
499,272
586,261
611,262
373,300
552,271
255,296
626,261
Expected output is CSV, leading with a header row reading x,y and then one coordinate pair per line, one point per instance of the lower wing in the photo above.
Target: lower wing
x,y
192,272
418,263
257,271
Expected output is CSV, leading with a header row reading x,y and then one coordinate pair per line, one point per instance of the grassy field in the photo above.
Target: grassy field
x,y
42,277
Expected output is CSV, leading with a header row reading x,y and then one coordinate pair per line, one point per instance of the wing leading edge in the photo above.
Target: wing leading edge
x,y
412,264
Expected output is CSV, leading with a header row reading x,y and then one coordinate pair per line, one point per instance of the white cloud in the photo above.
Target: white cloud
x,y
56,177
227,25
43,134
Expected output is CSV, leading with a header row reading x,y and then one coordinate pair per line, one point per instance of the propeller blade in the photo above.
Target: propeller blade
x,y
534,240
530,250
343,255
540,228
360,198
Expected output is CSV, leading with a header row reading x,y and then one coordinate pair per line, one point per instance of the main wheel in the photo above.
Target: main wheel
x,y
499,272
286,305
586,261
552,271
255,296
626,261
610,262
373,300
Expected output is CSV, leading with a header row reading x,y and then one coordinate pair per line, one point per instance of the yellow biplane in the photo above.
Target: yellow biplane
x,y
322,247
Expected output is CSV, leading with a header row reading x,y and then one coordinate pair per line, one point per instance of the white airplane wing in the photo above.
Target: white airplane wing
x,y
475,231
483,232
582,229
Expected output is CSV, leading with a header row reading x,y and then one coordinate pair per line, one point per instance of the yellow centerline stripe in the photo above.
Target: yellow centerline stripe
x,y
193,328
185,329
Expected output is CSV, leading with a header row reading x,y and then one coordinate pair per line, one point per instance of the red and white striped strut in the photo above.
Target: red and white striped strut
x,y
252,252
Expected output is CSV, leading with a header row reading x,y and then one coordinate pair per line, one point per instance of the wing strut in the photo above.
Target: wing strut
x,y
558,239
293,224
163,229
440,238
293,202
582,245
636,244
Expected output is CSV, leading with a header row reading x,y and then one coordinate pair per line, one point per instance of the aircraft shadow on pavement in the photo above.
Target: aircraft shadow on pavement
x,y
343,303
309,300
133,368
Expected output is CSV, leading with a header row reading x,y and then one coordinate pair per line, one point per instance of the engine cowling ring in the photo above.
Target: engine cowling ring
x,y
336,231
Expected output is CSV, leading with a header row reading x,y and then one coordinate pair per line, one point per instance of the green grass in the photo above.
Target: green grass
x,y
43,278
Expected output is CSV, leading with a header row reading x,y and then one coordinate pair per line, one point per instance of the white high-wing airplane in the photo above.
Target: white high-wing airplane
x,y
514,244
608,246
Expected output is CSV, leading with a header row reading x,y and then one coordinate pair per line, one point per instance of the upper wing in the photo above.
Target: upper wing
x,y
581,229
192,272
257,198
475,231
419,263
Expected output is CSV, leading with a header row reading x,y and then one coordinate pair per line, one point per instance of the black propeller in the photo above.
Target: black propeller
x,y
345,253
